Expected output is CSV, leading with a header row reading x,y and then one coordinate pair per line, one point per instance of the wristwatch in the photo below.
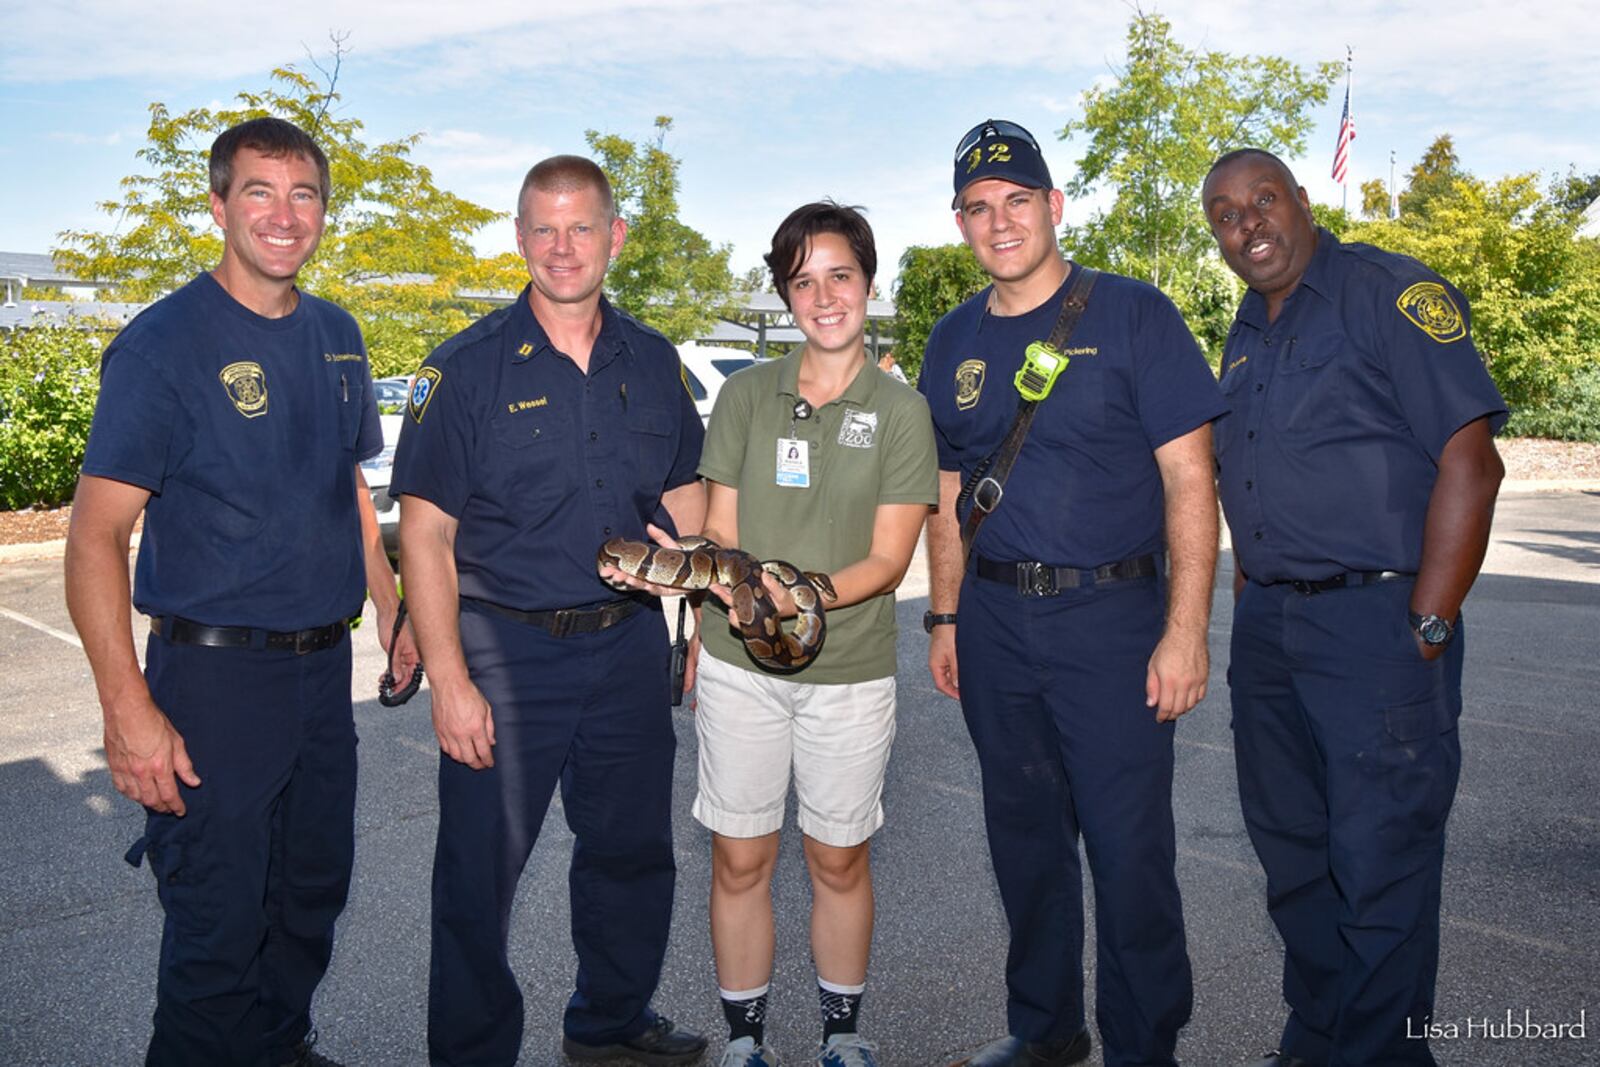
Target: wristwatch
x,y
1434,630
930,620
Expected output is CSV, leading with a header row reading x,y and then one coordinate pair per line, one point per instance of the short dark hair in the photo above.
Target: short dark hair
x,y
567,174
791,243
1243,153
273,138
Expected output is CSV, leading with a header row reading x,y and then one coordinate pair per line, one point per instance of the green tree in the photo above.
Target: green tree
x,y
933,279
1433,177
1154,133
1374,199
1534,288
668,275
1574,193
395,254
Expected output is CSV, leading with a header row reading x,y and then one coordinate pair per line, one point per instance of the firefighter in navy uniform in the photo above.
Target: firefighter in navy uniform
x,y
532,437
1358,474
234,414
1071,647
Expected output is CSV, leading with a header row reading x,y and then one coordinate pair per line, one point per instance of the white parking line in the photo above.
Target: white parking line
x,y
71,639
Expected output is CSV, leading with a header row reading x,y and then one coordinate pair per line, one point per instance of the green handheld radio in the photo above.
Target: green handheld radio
x,y
1041,366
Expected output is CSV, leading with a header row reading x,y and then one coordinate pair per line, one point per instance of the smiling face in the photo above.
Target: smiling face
x,y
828,295
568,238
1262,222
271,219
1010,227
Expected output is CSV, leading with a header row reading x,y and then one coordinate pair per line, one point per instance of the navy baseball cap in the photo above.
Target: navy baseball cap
x,y
996,148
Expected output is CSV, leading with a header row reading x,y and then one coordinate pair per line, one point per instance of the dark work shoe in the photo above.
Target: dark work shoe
x,y
1279,1059
1015,1052
663,1044
306,1056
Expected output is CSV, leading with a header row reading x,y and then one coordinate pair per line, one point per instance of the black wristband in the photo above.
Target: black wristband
x,y
930,620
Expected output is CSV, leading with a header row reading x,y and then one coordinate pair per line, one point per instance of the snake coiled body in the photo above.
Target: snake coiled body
x,y
699,563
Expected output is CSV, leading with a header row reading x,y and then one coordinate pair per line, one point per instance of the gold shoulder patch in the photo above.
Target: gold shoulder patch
x,y
969,383
422,390
1430,309
246,384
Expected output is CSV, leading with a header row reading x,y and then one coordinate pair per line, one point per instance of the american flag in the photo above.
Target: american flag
x,y
1341,151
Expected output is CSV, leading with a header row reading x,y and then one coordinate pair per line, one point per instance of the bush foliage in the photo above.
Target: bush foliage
x,y
49,379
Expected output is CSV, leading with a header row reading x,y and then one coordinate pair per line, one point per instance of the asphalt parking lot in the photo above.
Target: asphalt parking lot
x,y
79,928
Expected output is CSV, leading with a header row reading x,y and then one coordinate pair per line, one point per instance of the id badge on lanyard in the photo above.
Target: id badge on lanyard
x,y
794,453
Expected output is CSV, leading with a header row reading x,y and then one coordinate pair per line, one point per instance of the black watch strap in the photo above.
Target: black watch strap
x,y
930,620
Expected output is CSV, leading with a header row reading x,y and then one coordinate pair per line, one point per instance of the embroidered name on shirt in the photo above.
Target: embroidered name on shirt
x,y
523,405
1235,363
1091,350
341,357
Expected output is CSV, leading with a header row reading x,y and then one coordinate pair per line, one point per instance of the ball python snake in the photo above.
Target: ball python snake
x,y
699,563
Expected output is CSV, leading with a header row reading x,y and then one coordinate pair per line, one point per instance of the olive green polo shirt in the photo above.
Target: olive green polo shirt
x,y
873,445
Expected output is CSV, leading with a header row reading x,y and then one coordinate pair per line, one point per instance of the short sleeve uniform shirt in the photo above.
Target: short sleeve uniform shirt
x,y
247,432
1085,489
540,462
1340,410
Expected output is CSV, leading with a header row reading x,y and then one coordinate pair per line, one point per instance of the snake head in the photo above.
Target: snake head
x,y
823,583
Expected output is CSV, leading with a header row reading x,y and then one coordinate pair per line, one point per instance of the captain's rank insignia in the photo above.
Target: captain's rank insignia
x,y
246,386
1430,309
969,383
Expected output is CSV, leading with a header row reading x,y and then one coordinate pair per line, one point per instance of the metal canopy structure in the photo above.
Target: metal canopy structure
x,y
18,270
762,320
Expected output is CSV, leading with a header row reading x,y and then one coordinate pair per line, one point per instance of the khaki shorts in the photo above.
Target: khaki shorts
x,y
754,728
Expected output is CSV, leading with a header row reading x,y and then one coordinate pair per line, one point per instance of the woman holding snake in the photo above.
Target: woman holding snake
x,y
821,459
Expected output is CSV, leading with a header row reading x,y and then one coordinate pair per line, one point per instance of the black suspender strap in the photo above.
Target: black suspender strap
x,y
986,485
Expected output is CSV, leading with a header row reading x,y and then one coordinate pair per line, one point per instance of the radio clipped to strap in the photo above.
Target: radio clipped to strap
x,y
1042,364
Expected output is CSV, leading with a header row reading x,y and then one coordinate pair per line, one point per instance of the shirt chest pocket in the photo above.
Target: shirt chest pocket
x,y
1308,387
528,456
1076,406
650,430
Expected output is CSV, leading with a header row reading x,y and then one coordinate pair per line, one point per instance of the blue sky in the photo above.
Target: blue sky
x,y
775,103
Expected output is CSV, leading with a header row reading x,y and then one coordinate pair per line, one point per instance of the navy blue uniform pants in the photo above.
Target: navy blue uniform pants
x,y
1053,693
1348,755
252,878
591,713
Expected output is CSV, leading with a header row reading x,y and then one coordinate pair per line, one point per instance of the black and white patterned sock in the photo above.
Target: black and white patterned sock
x,y
840,1006
746,1012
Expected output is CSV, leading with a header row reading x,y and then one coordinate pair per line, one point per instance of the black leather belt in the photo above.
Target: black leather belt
x,y
584,619
1041,579
186,632
1347,580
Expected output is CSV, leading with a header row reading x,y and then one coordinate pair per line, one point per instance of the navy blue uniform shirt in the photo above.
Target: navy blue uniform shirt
x,y
541,463
247,431
1085,489
1340,410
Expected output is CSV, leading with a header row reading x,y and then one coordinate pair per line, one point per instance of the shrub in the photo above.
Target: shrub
x,y
1573,414
49,379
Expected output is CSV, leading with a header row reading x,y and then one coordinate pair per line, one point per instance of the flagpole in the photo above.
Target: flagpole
x,y
1349,77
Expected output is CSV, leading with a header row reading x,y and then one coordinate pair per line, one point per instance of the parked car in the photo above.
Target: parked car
x,y
392,394
706,367
378,472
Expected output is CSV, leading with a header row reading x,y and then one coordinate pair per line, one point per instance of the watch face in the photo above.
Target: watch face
x,y
1434,630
